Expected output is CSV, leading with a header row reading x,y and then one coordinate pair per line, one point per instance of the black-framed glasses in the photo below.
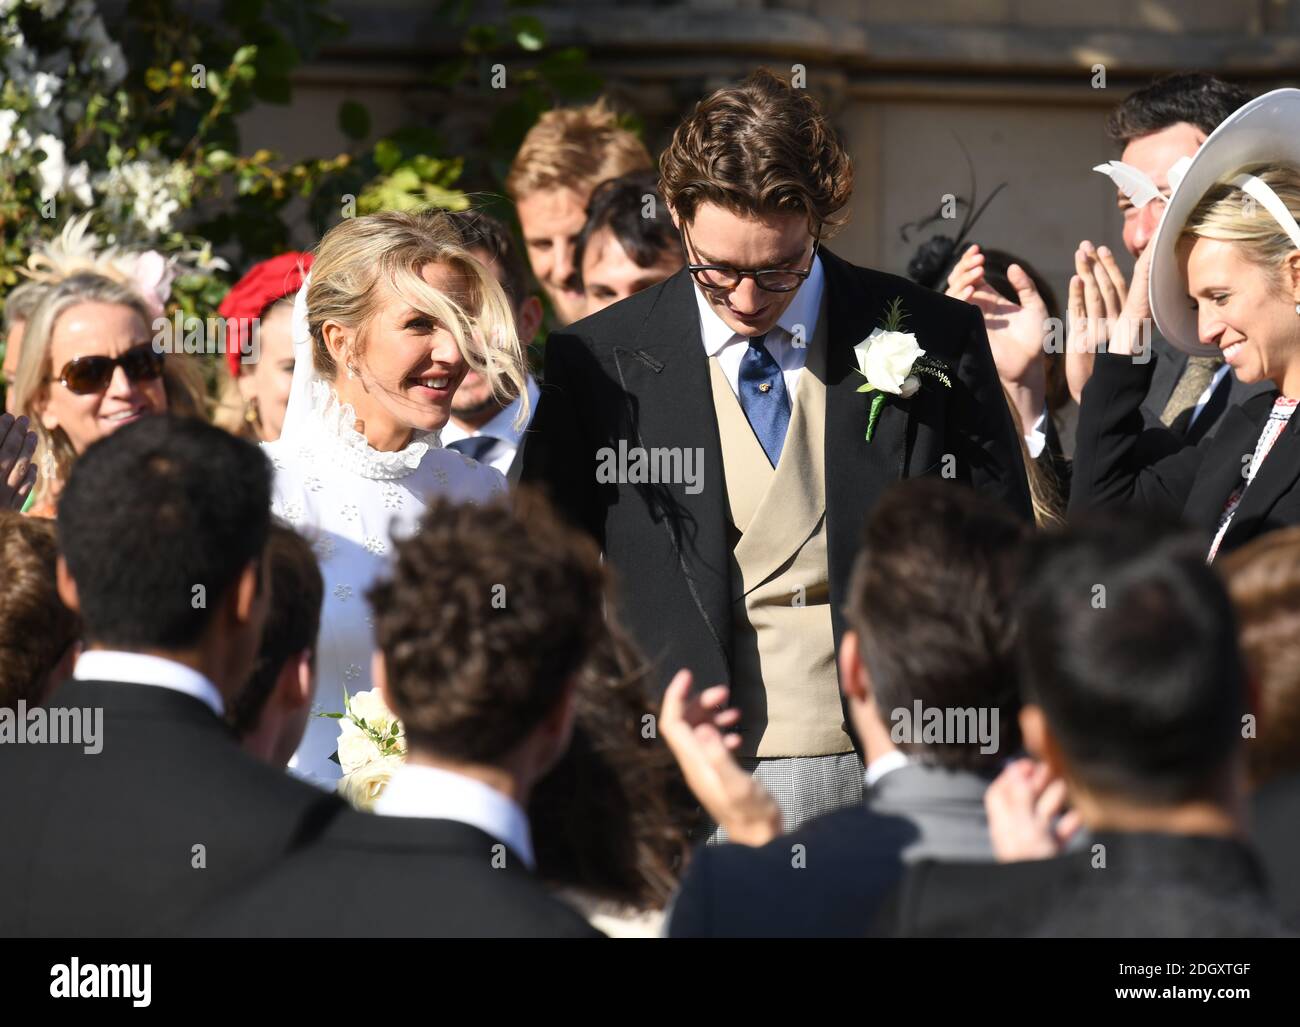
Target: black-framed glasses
x,y
720,276
86,375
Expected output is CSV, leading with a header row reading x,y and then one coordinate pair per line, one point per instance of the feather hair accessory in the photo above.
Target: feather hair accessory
x,y
1133,182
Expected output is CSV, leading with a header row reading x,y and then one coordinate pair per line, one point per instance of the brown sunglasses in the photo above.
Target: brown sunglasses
x,y
86,375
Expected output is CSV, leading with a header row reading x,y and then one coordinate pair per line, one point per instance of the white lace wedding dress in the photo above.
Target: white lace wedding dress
x,y
350,500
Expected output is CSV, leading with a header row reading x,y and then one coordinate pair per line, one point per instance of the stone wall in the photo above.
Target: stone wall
x,y
1014,80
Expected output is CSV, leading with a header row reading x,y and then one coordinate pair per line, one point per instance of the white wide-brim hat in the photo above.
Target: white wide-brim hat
x,y
1265,130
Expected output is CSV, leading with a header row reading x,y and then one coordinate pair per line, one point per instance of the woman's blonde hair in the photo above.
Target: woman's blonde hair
x,y
1226,213
359,257
54,453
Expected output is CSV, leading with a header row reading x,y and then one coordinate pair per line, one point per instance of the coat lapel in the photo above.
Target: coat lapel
x,y
857,471
664,375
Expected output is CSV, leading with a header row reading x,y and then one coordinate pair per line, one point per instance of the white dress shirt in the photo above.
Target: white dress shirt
x,y
436,794
141,669
729,348
885,764
502,428
1219,375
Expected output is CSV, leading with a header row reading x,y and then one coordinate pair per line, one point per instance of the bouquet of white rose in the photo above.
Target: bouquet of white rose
x,y
372,745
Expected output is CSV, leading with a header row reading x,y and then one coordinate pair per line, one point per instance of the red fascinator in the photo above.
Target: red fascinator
x,y
264,283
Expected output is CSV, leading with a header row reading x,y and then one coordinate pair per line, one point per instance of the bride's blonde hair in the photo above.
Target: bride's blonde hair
x,y
358,256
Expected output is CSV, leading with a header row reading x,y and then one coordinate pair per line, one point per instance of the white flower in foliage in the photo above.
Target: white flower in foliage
x,y
885,360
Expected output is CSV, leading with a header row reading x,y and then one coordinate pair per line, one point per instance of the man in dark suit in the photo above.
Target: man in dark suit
x,y
926,542
490,617
1134,701
161,533
711,432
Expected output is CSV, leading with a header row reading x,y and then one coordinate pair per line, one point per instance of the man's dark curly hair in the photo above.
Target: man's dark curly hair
x,y
489,613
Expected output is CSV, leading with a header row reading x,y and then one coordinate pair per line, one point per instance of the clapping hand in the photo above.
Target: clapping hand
x,y
1098,293
1027,811
698,731
17,470
1015,330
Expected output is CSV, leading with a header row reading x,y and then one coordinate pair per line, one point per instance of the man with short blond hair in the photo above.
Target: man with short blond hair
x,y
563,158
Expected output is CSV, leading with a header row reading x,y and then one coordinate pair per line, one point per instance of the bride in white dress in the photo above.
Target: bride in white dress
x,y
392,316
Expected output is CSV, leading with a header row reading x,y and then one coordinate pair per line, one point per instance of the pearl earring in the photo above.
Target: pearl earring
x,y
1297,308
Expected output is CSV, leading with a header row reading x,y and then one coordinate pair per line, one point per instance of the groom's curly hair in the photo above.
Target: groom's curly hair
x,y
763,147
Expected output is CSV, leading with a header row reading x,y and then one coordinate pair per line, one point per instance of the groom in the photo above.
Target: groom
x,y
740,371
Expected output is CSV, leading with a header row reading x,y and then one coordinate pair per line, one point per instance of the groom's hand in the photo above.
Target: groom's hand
x,y
698,731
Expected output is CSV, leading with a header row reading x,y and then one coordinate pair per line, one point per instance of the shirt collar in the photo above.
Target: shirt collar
x,y
803,309
142,669
436,794
502,426
885,764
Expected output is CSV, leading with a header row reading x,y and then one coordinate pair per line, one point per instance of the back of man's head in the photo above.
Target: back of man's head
x,y
292,624
489,615
1128,645
931,599
157,522
1194,98
36,629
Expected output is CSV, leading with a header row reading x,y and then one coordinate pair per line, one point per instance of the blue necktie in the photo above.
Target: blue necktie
x,y
763,397
476,447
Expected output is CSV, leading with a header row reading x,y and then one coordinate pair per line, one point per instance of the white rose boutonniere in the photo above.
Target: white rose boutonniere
x,y
372,744
892,362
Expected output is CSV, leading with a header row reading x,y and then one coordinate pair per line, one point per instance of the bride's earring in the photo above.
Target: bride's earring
x,y
1297,308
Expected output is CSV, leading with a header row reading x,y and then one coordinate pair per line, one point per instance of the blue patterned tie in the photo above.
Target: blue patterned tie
x,y
763,397
476,447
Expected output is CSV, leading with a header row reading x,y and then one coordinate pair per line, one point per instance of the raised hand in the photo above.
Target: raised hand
x,y
17,470
1015,330
1027,811
693,728
1098,293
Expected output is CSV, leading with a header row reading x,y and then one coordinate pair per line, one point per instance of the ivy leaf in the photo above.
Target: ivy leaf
x,y
354,119
529,32
387,155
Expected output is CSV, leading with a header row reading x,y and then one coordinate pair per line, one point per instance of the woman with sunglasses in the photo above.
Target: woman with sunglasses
x,y
88,366
393,315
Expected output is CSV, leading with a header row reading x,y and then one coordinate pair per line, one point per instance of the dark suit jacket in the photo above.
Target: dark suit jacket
x,y
1277,835
1152,886
1119,464
637,371
370,876
830,878
103,844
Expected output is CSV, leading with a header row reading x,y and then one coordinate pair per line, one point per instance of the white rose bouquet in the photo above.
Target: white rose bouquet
x,y
892,362
372,745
